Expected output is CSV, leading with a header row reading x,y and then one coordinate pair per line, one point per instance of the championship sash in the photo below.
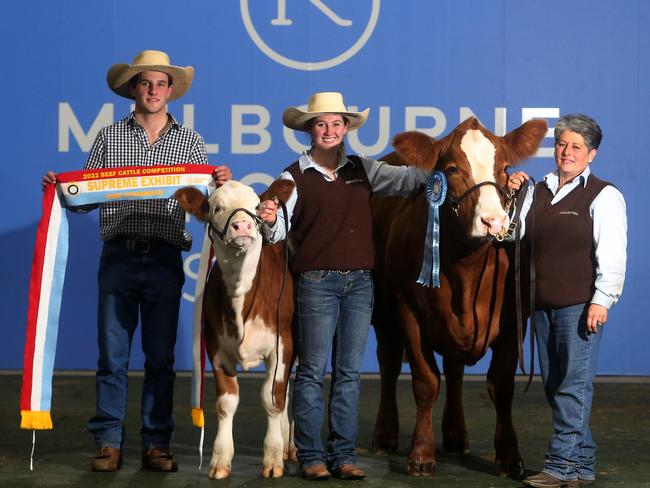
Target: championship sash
x,y
50,257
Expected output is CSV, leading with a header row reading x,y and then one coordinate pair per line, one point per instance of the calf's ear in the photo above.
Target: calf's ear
x,y
279,188
193,201
524,140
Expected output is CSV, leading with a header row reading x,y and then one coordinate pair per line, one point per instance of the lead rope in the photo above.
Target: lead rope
x,y
277,309
518,299
532,292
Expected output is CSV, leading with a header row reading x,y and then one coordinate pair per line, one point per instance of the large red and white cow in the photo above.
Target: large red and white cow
x,y
473,308
248,316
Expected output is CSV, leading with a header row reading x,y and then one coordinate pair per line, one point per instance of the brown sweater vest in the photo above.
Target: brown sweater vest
x,y
331,224
565,263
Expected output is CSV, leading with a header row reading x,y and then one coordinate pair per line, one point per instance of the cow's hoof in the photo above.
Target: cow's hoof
x,y
456,446
273,471
381,446
514,471
421,469
218,473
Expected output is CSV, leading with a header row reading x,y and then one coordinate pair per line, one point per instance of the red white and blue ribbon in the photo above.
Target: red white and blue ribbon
x,y
50,258
198,339
436,192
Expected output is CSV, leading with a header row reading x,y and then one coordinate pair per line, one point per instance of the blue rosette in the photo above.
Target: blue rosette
x,y
436,192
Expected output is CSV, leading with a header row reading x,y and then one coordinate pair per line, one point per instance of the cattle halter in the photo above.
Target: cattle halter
x,y
222,233
509,198
455,202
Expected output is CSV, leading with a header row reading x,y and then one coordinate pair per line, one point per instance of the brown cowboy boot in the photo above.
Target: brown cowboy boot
x,y
316,472
349,472
107,459
159,459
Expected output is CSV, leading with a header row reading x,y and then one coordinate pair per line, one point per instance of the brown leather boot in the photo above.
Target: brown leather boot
x,y
107,459
159,459
349,472
316,472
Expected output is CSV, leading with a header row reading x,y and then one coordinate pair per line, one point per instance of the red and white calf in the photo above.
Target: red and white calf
x,y
248,317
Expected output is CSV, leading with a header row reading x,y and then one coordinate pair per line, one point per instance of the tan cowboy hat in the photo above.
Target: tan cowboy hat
x,y
119,75
320,104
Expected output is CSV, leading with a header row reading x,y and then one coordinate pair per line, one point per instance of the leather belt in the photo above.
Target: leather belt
x,y
142,246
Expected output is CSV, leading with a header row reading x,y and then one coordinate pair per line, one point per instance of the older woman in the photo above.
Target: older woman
x,y
577,225
329,215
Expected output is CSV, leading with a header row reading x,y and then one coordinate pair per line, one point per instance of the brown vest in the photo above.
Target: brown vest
x,y
331,224
565,263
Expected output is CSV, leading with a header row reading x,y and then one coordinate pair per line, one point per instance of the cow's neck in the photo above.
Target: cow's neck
x,y
238,269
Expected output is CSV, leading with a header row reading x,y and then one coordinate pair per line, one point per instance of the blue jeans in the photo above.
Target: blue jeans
x,y
568,356
333,312
132,284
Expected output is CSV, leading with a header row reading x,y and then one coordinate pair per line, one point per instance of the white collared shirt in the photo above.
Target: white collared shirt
x,y
609,216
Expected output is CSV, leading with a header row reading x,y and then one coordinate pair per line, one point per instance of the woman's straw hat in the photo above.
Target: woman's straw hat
x,y
320,104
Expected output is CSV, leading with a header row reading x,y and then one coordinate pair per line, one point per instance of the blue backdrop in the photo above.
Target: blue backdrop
x,y
417,64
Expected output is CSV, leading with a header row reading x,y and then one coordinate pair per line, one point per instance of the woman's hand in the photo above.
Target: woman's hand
x,y
596,316
267,211
516,180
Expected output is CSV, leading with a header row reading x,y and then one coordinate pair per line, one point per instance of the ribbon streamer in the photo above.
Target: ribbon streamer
x,y
50,258
436,192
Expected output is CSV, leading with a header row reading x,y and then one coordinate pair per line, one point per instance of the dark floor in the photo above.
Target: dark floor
x,y
620,422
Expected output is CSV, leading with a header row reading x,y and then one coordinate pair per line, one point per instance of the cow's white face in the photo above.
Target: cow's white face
x,y
489,216
240,229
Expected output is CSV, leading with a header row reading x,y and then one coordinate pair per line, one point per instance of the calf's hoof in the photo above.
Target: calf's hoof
x,y
219,473
291,455
273,471
421,469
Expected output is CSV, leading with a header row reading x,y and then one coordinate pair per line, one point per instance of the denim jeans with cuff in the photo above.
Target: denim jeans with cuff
x,y
136,284
568,357
333,313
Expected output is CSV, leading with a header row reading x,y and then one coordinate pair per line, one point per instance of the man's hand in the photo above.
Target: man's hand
x,y
267,211
221,174
48,179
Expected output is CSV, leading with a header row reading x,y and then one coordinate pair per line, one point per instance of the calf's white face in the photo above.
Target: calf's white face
x,y
239,228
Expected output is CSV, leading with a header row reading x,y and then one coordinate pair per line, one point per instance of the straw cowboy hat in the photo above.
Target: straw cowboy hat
x,y
320,104
119,75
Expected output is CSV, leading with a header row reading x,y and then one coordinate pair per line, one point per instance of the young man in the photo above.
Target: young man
x,y
141,269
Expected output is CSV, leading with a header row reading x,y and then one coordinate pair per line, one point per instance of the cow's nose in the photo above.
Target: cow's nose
x,y
241,224
495,224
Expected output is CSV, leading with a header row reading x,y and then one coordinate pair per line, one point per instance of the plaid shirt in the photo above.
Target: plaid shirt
x,y
125,143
